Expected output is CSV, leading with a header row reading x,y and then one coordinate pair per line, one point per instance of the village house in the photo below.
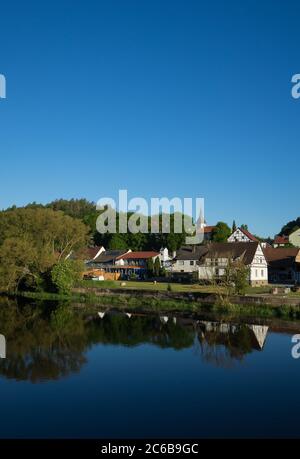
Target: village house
x,y
281,241
208,233
125,263
209,262
207,230
293,238
87,254
213,264
241,235
134,263
106,258
283,264
186,261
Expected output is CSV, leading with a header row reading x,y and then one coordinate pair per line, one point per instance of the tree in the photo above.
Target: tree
x,y
32,240
221,232
65,274
233,226
76,208
244,227
240,277
290,227
117,242
157,267
150,267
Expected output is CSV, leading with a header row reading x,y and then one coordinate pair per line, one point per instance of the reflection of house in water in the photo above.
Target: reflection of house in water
x,y
259,331
221,343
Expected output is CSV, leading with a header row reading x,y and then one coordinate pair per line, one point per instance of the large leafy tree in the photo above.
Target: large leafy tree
x,y
32,240
221,232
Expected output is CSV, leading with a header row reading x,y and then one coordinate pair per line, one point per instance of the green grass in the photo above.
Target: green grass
x,y
175,287
258,290
159,286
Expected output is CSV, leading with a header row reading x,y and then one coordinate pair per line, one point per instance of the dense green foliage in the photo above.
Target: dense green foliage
x,y
65,274
290,227
32,241
86,211
221,232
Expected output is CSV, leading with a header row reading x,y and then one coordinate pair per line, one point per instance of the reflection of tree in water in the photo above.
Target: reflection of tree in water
x,y
47,344
119,329
37,347
50,342
222,344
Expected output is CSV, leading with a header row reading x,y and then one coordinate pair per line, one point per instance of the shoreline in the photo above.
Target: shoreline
x,y
154,301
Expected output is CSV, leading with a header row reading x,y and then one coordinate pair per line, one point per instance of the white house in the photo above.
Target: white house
x,y
241,235
213,264
187,259
293,238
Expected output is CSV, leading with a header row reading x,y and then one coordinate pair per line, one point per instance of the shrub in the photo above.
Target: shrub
x,y
65,274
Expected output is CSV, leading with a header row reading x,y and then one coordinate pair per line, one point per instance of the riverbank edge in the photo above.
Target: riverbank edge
x,y
187,303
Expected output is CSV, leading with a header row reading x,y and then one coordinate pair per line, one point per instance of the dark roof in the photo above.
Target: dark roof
x,y
234,250
87,253
109,256
281,258
139,255
192,252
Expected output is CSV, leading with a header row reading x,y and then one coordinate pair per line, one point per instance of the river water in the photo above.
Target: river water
x,y
68,373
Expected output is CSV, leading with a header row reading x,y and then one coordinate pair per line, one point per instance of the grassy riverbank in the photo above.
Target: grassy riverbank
x,y
148,304
165,286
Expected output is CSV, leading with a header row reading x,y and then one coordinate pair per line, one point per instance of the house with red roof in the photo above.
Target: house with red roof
x,y
133,263
242,235
281,241
208,232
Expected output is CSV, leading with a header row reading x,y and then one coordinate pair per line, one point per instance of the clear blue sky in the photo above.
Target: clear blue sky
x,y
163,98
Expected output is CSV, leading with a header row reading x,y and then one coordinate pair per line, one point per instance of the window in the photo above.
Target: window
x,y
262,273
192,262
256,273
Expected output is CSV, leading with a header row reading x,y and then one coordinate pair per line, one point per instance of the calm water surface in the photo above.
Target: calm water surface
x,y
68,374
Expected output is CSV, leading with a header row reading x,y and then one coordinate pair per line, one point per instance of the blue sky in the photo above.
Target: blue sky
x,y
162,98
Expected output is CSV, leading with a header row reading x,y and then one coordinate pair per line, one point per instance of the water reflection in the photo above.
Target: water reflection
x,y
51,342
223,343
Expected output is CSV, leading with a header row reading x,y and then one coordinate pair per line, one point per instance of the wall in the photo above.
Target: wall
x,y
294,238
238,236
259,268
185,266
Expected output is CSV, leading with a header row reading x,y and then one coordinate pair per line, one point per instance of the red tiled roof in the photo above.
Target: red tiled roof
x,y
281,240
208,229
249,235
138,255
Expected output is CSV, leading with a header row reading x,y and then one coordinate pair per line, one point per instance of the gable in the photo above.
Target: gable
x,y
242,235
259,256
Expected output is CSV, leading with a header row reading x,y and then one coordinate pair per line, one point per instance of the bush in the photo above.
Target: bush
x,y
65,274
